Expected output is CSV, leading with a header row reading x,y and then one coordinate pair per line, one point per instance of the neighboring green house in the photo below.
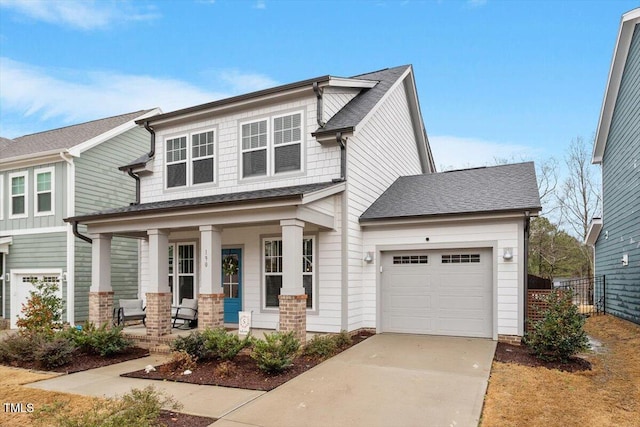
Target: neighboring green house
x,y
51,175
616,236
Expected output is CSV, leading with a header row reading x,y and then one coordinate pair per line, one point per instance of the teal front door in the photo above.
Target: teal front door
x,y
232,283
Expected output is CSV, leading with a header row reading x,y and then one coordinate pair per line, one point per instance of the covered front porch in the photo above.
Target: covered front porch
x,y
230,257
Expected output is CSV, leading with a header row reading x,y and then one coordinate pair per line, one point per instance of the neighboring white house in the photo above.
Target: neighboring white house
x,y
323,194
50,175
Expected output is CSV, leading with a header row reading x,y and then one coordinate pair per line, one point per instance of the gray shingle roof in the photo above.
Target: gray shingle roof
x,y
205,201
64,138
480,190
356,110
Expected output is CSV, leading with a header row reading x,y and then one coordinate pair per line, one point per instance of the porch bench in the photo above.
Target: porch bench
x,y
187,311
129,309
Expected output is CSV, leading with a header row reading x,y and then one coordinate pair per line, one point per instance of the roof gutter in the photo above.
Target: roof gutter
x,y
150,154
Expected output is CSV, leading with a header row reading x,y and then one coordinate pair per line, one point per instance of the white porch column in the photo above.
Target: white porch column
x,y
158,295
211,294
100,291
292,299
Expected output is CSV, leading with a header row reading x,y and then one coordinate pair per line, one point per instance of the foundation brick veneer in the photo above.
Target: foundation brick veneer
x,y
210,311
510,339
101,308
293,315
158,314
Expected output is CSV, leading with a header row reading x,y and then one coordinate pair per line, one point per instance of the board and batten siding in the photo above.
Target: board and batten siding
x,y
31,221
100,185
621,196
384,149
36,251
508,283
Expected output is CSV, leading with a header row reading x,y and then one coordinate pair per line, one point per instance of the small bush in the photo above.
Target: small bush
x,y
42,313
343,339
54,353
276,352
222,345
225,369
19,347
560,333
193,344
180,361
138,408
321,346
103,341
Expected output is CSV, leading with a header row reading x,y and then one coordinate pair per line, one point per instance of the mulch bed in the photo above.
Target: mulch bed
x,y
522,355
241,372
177,419
84,361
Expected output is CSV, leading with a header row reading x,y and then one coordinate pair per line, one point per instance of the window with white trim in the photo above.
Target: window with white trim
x,y
176,149
272,146
190,163
273,270
19,205
44,192
202,157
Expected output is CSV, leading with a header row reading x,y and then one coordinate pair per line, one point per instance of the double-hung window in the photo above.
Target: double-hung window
x,y
272,146
190,164
19,184
273,270
44,194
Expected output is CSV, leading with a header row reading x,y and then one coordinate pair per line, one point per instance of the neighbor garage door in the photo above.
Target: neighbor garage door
x,y
438,292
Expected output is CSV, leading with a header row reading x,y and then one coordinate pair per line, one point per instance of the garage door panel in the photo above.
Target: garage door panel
x,y
438,298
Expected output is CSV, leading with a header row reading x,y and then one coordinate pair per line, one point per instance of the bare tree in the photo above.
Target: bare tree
x,y
579,196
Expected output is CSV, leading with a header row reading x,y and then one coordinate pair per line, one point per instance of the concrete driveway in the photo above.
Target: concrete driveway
x,y
387,380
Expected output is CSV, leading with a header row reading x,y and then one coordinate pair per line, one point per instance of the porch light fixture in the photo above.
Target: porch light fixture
x,y
368,258
507,255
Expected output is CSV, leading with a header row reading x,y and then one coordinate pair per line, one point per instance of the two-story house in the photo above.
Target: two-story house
x,y
47,176
316,206
616,235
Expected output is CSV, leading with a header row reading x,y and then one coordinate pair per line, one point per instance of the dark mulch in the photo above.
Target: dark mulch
x,y
522,355
84,361
241,372
177,419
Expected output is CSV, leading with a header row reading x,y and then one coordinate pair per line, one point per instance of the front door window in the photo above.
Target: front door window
x,y
232,283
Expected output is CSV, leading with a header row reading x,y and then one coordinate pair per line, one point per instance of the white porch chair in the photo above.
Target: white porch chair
x,y
187,311
130,309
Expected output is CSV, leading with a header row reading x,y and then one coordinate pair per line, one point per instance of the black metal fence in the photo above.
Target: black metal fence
x,y
589,294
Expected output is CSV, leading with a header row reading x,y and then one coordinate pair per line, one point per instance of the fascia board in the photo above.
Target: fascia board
x,y
353,83
28,160
594,231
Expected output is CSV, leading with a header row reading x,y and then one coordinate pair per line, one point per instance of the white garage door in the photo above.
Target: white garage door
x,y
438,292
21,287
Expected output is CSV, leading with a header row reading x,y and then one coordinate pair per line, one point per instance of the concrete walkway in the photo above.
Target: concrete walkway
x,y
387,380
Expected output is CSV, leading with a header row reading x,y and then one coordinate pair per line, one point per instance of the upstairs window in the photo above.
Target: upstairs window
x,y
202,157
176,162
273,146
44,192
18,195
190,159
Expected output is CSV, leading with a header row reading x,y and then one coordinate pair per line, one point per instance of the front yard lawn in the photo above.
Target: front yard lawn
x,y
609,394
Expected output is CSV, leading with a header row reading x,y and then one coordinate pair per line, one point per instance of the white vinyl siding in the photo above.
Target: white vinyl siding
x,y
1,197
272,146
18,186
44,194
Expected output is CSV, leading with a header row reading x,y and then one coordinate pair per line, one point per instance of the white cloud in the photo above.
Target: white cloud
x,y
260,4
32,94
81,14
451,152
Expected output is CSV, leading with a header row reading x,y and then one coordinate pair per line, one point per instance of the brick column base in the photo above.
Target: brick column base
x,y
101,308
158,314
293,315
510,339
210,311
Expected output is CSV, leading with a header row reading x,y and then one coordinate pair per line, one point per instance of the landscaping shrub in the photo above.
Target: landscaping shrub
x,y
180,361
193,344
321,346
223,345
560,333
54,353
103,341
138,408
42,313
18,347
276,352
343,339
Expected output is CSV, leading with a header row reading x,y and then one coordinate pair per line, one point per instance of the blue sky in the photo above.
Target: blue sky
x,y
496,79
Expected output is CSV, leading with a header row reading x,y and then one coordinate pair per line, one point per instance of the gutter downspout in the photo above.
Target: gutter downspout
x,y
343,157
527,224
150,154
137,178
77,233
319,104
